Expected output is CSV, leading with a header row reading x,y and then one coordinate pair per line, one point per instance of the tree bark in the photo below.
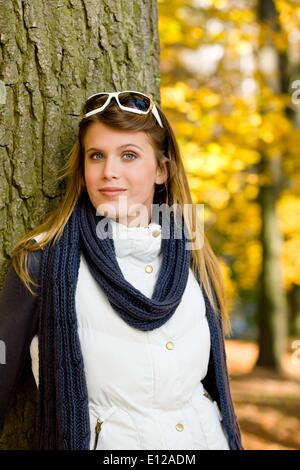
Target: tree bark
x,y
53,54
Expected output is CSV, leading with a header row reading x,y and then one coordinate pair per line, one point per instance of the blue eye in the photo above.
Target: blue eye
x,y
132,155
94,155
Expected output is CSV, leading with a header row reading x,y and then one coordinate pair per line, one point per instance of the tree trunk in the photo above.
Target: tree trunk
x,y
272,308
272,302
294,304
53,55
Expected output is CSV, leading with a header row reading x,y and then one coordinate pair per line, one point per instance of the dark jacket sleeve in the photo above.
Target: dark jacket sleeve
x,y
18,325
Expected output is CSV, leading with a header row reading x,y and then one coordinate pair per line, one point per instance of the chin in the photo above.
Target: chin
x,y
102,209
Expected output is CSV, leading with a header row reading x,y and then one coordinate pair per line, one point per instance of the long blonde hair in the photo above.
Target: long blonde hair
x,y
174,192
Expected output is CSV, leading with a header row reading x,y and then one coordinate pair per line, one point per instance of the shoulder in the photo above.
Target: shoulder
x,y
35,257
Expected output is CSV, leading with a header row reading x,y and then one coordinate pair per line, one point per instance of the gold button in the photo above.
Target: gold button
x,y
170,345
148,268
179,427
155,233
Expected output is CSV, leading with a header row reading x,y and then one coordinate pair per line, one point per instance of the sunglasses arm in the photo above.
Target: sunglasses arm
x,y
157,116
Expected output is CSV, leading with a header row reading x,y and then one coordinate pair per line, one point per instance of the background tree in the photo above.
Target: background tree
x,y
53,55
272,306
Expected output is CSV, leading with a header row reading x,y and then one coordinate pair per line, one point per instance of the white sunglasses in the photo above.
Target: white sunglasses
x,y
128,100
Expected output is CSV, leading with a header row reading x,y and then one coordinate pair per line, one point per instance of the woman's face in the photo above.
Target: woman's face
x,y
126,160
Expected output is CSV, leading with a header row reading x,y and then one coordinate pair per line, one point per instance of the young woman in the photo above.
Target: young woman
x,y
126,327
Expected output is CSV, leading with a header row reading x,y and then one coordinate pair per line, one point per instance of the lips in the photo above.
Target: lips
x,y
111,191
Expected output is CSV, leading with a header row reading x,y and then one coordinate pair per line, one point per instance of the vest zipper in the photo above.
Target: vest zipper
x,y
97,432
207,395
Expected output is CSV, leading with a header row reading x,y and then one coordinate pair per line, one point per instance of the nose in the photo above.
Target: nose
x,y
111,168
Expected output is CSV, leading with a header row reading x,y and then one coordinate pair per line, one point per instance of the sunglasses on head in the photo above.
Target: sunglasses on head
x,y
129,100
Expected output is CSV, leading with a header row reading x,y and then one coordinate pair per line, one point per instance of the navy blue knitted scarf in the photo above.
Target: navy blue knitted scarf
x,y
63,414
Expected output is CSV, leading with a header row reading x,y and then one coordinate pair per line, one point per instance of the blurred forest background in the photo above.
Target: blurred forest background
x,y
230,84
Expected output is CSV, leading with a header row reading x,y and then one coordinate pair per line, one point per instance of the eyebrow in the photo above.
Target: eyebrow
x,y
121,146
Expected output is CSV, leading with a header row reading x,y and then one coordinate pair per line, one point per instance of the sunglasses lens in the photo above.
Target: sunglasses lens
x,y
100,97
96,100
135,100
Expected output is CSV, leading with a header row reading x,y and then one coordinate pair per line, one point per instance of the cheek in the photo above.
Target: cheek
x,y
142,179
90,176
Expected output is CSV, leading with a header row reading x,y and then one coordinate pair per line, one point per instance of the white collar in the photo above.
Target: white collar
x,y
143,243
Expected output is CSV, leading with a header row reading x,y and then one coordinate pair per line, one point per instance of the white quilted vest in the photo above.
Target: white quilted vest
x,y
144,388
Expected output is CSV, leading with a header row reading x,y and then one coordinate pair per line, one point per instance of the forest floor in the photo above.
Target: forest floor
x,y
267,404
